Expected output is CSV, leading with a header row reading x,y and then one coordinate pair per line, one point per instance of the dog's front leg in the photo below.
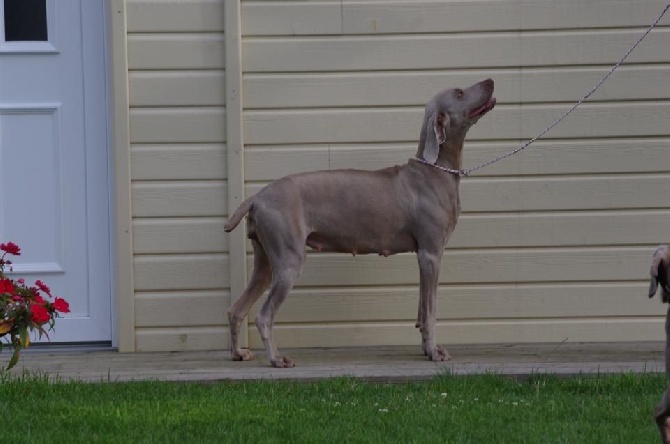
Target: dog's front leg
x,y
429,272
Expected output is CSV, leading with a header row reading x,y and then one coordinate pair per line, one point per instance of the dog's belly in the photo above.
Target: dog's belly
x,y
384,246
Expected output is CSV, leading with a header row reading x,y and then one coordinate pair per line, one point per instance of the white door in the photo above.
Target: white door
x,y
54,180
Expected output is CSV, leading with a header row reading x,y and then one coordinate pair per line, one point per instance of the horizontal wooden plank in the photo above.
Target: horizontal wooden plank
x,y
265,163
326,305
481,267
175,16
565,193
467,332
181,272
176,51
486,50
178,125
373,17
179,235
291,18
360,125
179,162
181,309
558,193
379,17
179,88
181,339
576,229
415,88
570,156
179,199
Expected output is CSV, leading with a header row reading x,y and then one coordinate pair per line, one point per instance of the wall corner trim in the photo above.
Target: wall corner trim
x,y
235,149
123,235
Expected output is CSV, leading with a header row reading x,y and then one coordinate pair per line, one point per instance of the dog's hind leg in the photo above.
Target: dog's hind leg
x,y
420,322
283,278
259,282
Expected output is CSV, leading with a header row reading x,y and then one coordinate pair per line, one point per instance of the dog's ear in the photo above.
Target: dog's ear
x,y
436,134
653,286
659,272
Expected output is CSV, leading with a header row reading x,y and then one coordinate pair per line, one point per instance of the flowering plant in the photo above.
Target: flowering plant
x,y
24,309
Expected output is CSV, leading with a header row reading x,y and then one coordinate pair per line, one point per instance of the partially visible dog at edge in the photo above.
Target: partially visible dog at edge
x,y
660,275
413,207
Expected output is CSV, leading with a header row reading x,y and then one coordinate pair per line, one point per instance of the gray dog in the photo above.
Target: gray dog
x,y
413,207
660,274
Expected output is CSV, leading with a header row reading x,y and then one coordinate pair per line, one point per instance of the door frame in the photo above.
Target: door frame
x,y
100,220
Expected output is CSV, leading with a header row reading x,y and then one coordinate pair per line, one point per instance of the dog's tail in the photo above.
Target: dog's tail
x,y
237,216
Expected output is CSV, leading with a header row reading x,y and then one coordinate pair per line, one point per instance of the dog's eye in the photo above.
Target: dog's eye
x,y
459,94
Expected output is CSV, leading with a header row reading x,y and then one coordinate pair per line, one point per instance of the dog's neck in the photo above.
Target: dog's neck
x,y
451,154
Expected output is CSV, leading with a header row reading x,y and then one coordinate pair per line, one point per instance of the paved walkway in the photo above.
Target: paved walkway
x,y
378,363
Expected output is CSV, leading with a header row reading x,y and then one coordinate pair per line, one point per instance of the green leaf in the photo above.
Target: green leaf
x,y
14,360
43,332
25,338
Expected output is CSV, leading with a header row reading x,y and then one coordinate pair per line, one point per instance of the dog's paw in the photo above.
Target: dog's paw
x,y
243,354
282,362
438,354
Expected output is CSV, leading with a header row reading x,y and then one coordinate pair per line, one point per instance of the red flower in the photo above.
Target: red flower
x,y
39,300
17,298
42,286
11,248
21,281
61,305
6,286
39,314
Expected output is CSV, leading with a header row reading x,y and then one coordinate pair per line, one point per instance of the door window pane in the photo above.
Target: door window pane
x,y
26,21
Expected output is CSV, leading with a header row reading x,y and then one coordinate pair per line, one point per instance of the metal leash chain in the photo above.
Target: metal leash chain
x,y
467,172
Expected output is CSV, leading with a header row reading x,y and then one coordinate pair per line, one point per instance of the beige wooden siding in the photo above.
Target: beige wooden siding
x,y
554,243
176,74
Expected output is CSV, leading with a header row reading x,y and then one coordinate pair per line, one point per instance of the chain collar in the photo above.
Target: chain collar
x,y
460,173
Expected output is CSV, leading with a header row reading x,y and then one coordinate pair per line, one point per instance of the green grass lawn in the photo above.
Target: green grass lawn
x,y
450,409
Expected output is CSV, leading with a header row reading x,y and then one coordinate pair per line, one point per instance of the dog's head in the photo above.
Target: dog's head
x,y
451,113
660,273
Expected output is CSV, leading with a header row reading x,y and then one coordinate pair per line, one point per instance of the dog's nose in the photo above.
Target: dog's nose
x,y
488,84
